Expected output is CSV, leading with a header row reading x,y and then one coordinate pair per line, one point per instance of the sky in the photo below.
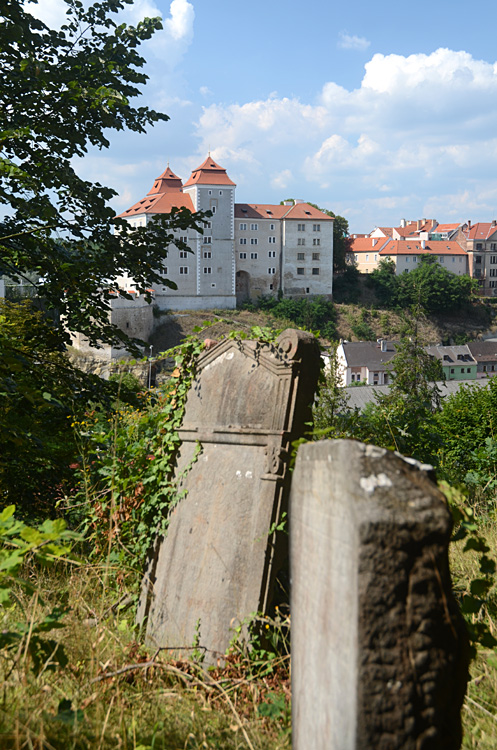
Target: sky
x,y
377,111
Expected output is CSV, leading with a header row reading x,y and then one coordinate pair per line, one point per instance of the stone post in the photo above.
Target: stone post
x,y
379,648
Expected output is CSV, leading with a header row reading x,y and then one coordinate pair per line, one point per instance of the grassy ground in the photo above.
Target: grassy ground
x,y
114,693
480,707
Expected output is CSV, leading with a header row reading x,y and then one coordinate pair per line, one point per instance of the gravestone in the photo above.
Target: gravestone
x,y
379,648
217,564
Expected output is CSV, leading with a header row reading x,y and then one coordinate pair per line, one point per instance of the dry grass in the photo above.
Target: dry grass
x,y
115,694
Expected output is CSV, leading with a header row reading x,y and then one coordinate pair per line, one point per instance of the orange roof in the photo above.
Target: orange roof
x,y
411,227
414,247
159,204
446,228
482,231
167,182
368,244
209,173
269,211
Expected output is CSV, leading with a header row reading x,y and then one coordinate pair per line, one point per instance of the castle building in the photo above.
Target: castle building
x,y
246,250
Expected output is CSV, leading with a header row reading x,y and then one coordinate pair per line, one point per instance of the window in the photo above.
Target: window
x,y
493,260
300,272
375,257
183,239
243,240
315,256
493,272
207,269
300,241
367,257
183,254
210,192
207,240
272,240
220,192
208,224
165,269
468,369
271,227
300,227
253,241
316,227
477,258
243,256
243,227
414,260
441,259
207,254
213,209
315,271
271,271
316,241
300,256
451,370
493,247
272,254
213,286
407,259
183,270
254,227
479,246
253,256
271,287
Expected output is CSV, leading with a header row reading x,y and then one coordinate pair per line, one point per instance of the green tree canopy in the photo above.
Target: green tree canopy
x,y
429,286
61,93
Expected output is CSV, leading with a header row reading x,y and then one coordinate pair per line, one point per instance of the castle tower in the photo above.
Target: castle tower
x,y
210,189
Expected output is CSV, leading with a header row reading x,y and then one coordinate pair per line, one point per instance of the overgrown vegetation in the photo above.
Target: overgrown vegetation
x,y
317,314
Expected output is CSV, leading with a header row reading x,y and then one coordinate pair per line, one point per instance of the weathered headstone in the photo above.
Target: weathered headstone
x,y
217,564
379,648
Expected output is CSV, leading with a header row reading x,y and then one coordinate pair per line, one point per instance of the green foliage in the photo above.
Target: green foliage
x,y
361,328
40,392
127,465
315,314
468,423
346,286
61,93
429,286
473,594
332,416
45,544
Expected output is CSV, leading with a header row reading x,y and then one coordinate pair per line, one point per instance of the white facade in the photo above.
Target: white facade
x,y
247,250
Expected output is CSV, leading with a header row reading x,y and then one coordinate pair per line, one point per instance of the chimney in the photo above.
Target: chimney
x,y
423,244
383,345
424,221
494,223
402,223
418,224
374,241
469,223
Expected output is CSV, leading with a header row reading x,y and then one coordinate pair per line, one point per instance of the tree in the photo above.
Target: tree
x,y
435,288
60,93
404,419
385,283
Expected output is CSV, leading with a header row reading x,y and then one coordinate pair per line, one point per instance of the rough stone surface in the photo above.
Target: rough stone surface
x,y
218,562
379,648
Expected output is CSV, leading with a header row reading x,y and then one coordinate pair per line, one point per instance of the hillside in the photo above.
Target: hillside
x,y
353,322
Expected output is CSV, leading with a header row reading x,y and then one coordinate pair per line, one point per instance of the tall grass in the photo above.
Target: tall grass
x,y
480,707
114,693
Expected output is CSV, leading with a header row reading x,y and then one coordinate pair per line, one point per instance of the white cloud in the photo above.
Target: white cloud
x,y
51,12
205,91
282,180
179,25
349,41
414,125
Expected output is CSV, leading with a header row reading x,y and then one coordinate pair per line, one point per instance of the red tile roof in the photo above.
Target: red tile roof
x,y
414,247
446,228
268,211
159,204
481,231
209,173
368,244
166,183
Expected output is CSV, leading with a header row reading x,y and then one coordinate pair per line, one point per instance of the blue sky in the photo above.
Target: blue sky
x,y
378,111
